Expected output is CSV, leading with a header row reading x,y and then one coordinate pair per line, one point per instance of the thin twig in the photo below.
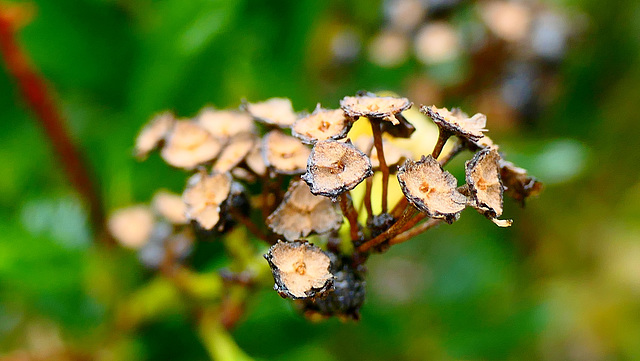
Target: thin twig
x,y
457,148
443,136
397,210
403,237
408,213
384,168
348,210
367,197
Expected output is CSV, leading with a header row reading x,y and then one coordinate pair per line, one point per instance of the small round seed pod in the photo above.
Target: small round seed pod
x,y
234,152
132,226
518,183
283,153
274,111
394,156
170,206
153,133
225,124
322,124
189,145
301,213
372,106
203,196
431,189
336,167
484,185
300,270
457,122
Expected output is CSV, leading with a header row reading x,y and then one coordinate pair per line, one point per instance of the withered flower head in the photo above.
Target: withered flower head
x,y
234,152
336,167
204,195
189,145
274,111
457,122
300,269
518,184
153,133
301,213
322,124
373,106
431,189
225,124
132,226
170,207
284,153
393,155
485,186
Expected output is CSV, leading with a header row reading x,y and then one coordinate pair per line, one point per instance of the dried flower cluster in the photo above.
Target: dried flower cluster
x,y
290,178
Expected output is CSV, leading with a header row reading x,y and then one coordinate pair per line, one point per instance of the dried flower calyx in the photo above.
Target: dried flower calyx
x,y
484,185
300,270
301,213
284,154
322,124
225,124
189,145
170,207
457,122
518,184
237,148
132,227
336,167
431,189
204,195
372,106
153,133
274,111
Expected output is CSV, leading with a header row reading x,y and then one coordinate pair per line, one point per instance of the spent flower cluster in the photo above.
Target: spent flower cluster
x,y
289,179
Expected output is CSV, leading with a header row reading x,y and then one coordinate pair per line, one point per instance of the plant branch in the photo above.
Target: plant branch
x,y
384,168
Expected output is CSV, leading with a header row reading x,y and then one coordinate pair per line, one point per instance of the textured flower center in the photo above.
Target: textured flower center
x,y
324,126
425,188
300,268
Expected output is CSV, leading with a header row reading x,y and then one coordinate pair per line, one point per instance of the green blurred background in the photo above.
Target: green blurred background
x,y
563,283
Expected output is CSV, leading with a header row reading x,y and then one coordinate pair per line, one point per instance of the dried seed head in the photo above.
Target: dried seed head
x,y
394,156
300,269
485,186
153,133
275,111
518,184
301,213
404,129
255,161
284,153
170,206
372,106
225,124
336,167
189,145
131,226
431,189
234,152
204,195
322,124
457,122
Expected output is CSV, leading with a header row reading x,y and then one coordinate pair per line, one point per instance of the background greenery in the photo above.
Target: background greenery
x,y
562,284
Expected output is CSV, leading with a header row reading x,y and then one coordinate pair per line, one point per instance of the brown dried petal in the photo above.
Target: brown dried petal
x,y
484,184
255,161
518,184
225,124
234,152
284,153
153,133
457,122
431,189
404,129
131,226
322,124
336,167
204,195
170,206
300,269
189,145
301,213
370,105
275,111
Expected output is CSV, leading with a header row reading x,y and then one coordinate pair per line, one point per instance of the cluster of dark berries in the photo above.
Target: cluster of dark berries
x,y
289,178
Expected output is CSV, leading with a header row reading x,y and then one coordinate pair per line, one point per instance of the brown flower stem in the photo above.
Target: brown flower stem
x,y
443,136
252,227
457,148
412,232
36,95
367,198
406,216
349,211
377,142
413,222
399,207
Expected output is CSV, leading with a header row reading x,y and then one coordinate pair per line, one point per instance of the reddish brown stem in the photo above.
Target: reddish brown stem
x,y
457,148
351,214
443,136
377,142
36,95
407,235
399,207
367,198
406,216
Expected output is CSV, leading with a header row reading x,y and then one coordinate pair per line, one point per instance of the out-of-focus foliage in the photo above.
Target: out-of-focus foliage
x,y
563,283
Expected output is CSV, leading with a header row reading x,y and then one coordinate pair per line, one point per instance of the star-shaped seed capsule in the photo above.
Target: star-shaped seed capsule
x,y
283,153
204,195
484,185
372,106
302,213
300,270
322,124
431,189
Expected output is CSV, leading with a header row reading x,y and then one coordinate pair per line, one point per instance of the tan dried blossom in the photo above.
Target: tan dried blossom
x,y
189,145
457,122
322,124
300,270
518,184
301,213
204,195
373,106
431,189
284,154
170,206
274,111
255,160
484,185
153,133
237,148
131,226
225,124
